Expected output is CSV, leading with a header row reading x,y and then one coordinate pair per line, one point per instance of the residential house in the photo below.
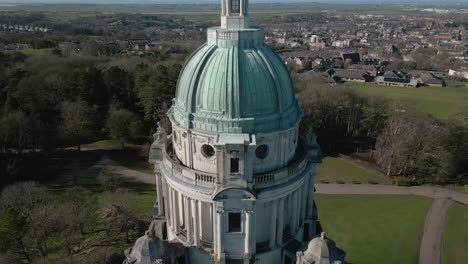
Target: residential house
x,y
354,75
429,79
382,80
353,58
370,69
458,73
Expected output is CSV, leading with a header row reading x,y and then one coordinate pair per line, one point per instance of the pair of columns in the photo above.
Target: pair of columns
x,y
227,6
249,238
296,200
187,212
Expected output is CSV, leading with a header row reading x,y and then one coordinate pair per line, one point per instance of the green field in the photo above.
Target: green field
x,y
67,16
336,169
31,51
441,102
374,228
146,192
103,144
455,238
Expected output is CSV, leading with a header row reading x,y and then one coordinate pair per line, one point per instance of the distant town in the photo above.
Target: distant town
x,y
390,49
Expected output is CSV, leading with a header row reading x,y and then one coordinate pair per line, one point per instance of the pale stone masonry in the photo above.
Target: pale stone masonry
x,y
234,180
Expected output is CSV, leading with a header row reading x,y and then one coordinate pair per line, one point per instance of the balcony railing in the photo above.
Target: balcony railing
x,y
189,175
206,244
284,174
182,233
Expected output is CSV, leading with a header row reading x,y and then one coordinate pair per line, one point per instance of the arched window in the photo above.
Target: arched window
x,y
235,6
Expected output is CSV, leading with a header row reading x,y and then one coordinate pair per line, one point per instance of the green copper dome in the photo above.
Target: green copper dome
x,y
235,83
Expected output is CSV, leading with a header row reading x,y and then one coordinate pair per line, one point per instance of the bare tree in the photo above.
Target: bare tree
x,y
121,209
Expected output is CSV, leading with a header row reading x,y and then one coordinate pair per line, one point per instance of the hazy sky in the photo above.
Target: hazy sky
x,y
252,1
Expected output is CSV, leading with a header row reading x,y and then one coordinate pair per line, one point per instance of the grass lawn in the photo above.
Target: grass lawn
x,y
132,158
103,144
146,192
455,238
374,228
333,169
441,102
31,51
145,195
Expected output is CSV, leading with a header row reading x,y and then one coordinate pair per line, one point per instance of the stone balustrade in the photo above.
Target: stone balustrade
x,y
189,175
282,175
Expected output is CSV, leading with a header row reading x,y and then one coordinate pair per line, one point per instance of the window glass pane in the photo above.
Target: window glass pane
x,y
234,165
234,222
235,6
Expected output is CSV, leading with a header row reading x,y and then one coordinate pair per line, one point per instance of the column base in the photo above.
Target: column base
x,y
158,228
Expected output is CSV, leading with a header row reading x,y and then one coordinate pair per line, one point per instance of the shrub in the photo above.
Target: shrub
x,y
402,181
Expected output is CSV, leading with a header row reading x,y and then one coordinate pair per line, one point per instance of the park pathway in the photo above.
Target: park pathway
x,y
431,242
108,166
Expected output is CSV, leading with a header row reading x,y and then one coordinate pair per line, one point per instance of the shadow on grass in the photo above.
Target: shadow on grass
x,y
135,158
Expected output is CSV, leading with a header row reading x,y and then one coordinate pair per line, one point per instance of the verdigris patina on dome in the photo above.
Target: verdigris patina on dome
x,y
235,83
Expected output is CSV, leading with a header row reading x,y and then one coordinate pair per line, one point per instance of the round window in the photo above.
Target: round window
x,y
207,151
261,152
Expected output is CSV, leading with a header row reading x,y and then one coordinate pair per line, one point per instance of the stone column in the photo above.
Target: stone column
x,y
175,219
213,225
294,213
310,197
188,220
165,199
279,230
241,8
219,230
200,220
181,216
169,206
248,225
299,209
305,195
196,235
273,227
159,194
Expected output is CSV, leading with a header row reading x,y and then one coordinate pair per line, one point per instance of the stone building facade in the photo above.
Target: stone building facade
x,y
234,180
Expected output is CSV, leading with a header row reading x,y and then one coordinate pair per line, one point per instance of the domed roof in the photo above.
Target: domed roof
x,y
147,249
318,251
235,83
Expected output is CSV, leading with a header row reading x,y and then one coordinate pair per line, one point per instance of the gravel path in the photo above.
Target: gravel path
x,y
106,165
432,192
431,242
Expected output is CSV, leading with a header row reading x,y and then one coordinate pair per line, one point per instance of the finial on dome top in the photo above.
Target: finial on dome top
x,y
322,235
234,14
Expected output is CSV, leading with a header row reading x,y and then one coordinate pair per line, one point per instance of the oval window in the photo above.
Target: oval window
x,y
207,151
261,152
